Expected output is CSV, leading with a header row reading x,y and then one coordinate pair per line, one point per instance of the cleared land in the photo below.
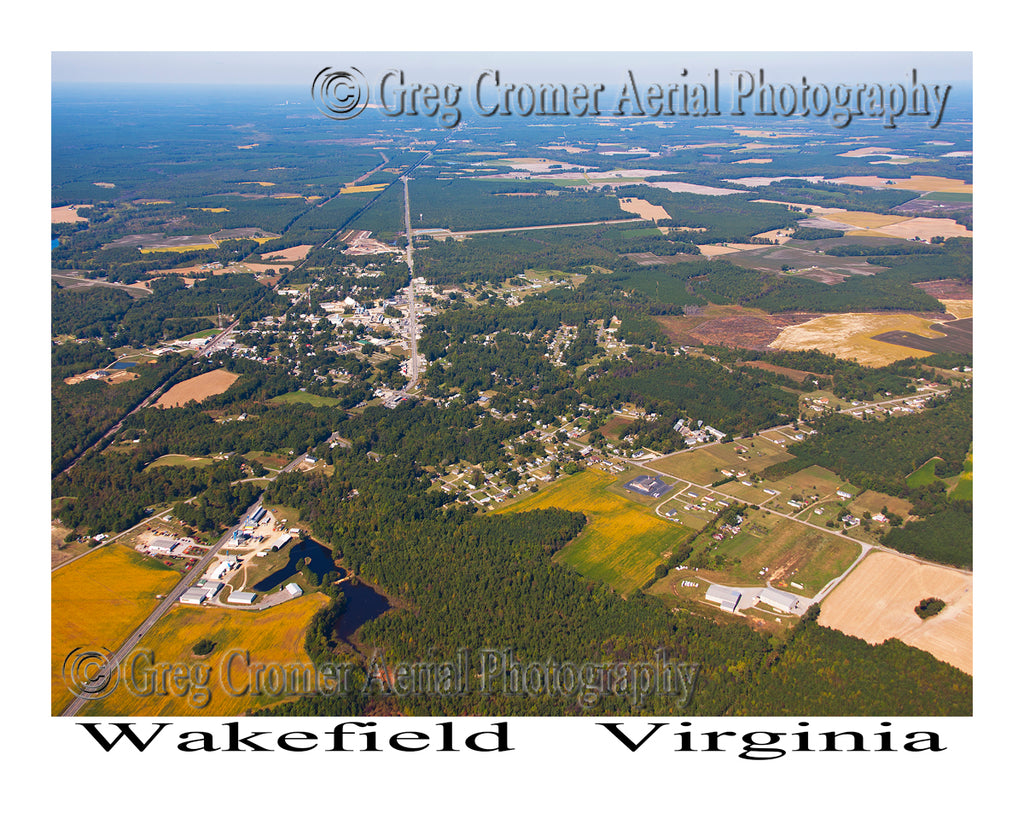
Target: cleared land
x,y
736,326
876,602
198,388
95,602
920,227
955,337
622,543
299,397
643,208
68,213
179,460
791,551
915,183
289,254
853,336
272,638
703,466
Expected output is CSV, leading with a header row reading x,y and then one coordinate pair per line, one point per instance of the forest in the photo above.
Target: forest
x,y
510,594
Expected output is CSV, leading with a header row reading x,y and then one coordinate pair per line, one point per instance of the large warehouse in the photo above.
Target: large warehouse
x,y
779,600
727,599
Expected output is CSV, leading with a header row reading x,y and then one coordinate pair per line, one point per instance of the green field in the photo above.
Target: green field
x,y
949,196
622,543
793,553
179,460
964,489
704,465
300,397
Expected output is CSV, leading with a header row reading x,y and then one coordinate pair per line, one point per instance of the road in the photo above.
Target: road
x,y
414,358
113,662
215,343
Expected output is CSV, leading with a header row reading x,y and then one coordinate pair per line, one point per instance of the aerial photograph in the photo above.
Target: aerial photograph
x,y
510,385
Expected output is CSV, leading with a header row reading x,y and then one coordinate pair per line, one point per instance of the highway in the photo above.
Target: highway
x,y
414,359
112,665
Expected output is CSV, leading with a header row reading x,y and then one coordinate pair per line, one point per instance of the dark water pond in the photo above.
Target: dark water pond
x,y
364,603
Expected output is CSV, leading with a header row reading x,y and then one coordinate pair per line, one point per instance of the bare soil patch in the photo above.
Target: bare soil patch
x,y
732,326
643,208
876,602
289,254
68,213
947,289
198,388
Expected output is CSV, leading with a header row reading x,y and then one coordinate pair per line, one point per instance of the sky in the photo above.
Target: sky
x,y
298,68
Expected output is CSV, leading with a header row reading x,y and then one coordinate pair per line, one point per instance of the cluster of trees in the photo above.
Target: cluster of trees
x,y
489,581
738,402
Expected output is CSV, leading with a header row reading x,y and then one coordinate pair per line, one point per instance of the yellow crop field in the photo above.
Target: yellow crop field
x,y
364,188
623,541
95,602
250,649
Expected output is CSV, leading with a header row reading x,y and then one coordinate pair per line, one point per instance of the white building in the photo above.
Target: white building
x,y
727,599
293,589
779,600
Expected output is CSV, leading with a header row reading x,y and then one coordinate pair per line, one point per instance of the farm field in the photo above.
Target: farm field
x,y
703,466
850,336
929,184
271,637
622,543
289,254
876,602
96,601
198,388
793,553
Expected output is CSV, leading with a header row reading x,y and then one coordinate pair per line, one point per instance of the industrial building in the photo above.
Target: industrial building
x,y
779,600
280,541
727,599
242,598
648,485
201,593
293,589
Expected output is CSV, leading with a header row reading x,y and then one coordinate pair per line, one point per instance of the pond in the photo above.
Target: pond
x,y
364,603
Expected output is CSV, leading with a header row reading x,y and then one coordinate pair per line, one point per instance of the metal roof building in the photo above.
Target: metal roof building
x,y
242,598
294,589
727,599
778,600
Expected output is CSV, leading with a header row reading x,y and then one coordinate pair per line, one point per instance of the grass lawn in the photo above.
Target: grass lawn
x,y
179,460
622,543
95,602
300,397
704,465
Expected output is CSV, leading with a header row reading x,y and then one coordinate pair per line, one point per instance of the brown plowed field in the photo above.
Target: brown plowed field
x,y
958,338
947,289
198,388
877,602
732,326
